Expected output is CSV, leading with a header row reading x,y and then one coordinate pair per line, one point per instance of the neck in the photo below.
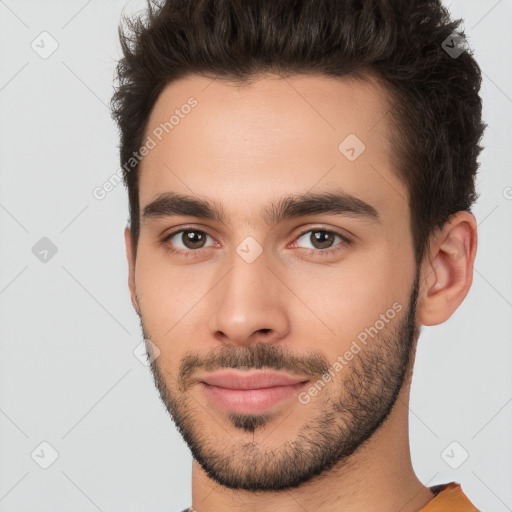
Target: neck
x,y
378,476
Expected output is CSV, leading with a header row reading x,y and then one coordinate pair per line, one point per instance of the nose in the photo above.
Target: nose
x,y
249,304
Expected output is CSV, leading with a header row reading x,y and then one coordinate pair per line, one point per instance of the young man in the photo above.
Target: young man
x,y
300,176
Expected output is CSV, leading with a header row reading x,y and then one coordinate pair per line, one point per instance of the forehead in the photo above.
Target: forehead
x,y
242,143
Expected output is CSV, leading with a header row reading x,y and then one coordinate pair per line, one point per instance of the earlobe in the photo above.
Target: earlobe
x,y
131,267
448,272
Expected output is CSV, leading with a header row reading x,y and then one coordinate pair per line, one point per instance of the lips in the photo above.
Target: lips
x,y
253,393
259,380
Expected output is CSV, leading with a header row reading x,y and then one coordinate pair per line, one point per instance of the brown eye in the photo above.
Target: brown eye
x,y
193,239
187,240
321,240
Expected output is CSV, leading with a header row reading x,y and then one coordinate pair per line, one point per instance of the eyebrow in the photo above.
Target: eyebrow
x,y
289,207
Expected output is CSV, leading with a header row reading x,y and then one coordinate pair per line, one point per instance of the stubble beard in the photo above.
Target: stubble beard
x,y
365,394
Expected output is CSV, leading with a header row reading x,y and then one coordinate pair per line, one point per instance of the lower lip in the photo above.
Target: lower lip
x,y
250,401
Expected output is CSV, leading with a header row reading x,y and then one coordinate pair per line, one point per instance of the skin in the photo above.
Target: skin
x,y
244,147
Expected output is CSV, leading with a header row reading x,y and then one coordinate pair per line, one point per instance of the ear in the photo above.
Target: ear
x,y
131,267
447,271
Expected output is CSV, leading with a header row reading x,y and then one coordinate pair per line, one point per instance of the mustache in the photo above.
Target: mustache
x,y
257,356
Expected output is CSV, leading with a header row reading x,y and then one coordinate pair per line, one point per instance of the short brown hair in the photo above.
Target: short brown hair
x,y
436,111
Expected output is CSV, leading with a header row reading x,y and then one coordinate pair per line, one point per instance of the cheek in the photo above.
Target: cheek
x,y
163,317
351,296
159,292
171,296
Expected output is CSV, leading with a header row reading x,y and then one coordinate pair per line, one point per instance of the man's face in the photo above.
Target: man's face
x,y
307,290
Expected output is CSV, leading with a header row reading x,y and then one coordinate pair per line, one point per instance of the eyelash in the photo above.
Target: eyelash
x,y
194,252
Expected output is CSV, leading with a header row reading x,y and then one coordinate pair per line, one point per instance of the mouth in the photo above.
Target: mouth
x,y
250,393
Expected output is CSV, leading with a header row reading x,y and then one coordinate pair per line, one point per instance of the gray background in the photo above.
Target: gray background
x,y
67,329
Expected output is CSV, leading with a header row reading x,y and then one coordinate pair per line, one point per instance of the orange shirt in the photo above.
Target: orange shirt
x,y
450,498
